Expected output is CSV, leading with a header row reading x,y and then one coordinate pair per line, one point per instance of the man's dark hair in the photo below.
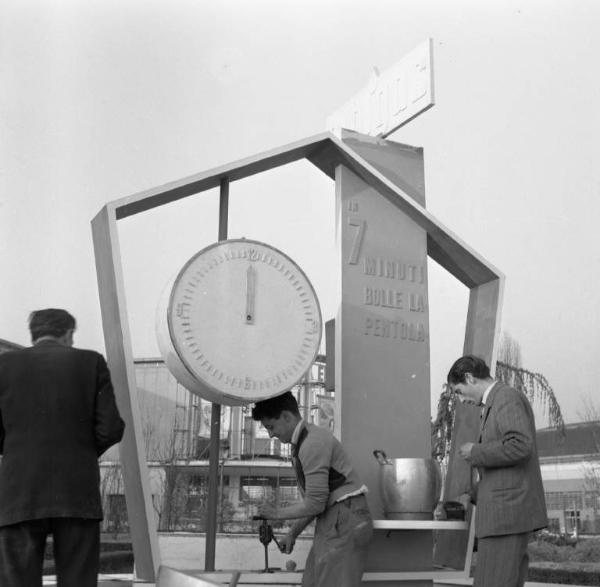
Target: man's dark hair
x,y
50,322
468,364
272,407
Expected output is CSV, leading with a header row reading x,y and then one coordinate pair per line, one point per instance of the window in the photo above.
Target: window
x,y
257,489
553,500
288,489
197,484
554,525
592,500
572,520
564,500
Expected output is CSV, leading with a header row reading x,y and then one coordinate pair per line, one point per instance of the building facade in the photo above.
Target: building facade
x,y
571,475
254,468
176,432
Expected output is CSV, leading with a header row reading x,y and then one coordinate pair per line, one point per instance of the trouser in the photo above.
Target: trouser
x,y
502,561
339,551
76,544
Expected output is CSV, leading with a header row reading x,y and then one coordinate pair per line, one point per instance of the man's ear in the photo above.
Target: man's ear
x,y
469,378
67,338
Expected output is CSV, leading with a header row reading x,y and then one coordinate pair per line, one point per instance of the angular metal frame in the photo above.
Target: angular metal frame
x,y
326,152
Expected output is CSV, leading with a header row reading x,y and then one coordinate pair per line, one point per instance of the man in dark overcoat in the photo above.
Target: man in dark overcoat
x,y
57,416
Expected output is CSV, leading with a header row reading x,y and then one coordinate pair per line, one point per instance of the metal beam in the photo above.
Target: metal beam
x,y
120,360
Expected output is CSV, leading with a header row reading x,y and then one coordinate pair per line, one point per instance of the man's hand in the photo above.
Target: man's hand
x,y
465,500
267,511
286,544
465,451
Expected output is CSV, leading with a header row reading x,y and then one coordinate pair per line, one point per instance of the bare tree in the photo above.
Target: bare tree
x,y
591,413
182,495
162,441
111,490
509,350
534,385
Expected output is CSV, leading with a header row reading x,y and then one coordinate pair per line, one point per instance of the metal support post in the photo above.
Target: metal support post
x,y
215,423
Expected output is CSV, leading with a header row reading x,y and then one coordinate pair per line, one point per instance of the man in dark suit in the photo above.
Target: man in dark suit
x,y
510,495
57,416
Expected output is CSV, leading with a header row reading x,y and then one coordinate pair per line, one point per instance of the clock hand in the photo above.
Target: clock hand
x,y
250,293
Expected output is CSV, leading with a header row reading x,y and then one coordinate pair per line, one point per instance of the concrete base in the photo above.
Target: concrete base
x,y
168,577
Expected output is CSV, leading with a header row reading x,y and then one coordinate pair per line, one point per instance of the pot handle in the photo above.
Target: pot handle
x,y
381,457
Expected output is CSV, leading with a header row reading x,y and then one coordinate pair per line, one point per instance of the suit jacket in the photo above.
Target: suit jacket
x,y
510,494
57,416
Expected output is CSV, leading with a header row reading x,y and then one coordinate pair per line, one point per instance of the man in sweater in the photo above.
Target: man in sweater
x,y
57,416
331,492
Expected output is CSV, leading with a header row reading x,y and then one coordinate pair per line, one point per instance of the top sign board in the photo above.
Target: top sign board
x,y
391,98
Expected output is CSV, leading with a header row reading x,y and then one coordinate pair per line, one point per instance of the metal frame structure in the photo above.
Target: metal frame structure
x,y
326,152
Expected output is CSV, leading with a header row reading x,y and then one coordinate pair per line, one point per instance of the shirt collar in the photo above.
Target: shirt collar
x,y
297,431
46,340
486,393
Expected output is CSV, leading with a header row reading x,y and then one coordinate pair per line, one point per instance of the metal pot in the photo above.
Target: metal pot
x,y
410,488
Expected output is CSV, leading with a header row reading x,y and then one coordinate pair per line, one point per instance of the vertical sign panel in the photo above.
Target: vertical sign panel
x,y
382,361
384,329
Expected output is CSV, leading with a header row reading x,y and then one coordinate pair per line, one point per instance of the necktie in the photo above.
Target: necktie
x,y
481,421
298,468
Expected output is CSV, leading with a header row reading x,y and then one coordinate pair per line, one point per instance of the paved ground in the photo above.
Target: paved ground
x,y
120,580
182,552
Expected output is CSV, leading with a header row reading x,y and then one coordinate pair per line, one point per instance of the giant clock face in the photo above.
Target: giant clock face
x,y
243,323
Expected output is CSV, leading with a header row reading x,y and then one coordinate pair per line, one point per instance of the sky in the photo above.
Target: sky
x,y
103,99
